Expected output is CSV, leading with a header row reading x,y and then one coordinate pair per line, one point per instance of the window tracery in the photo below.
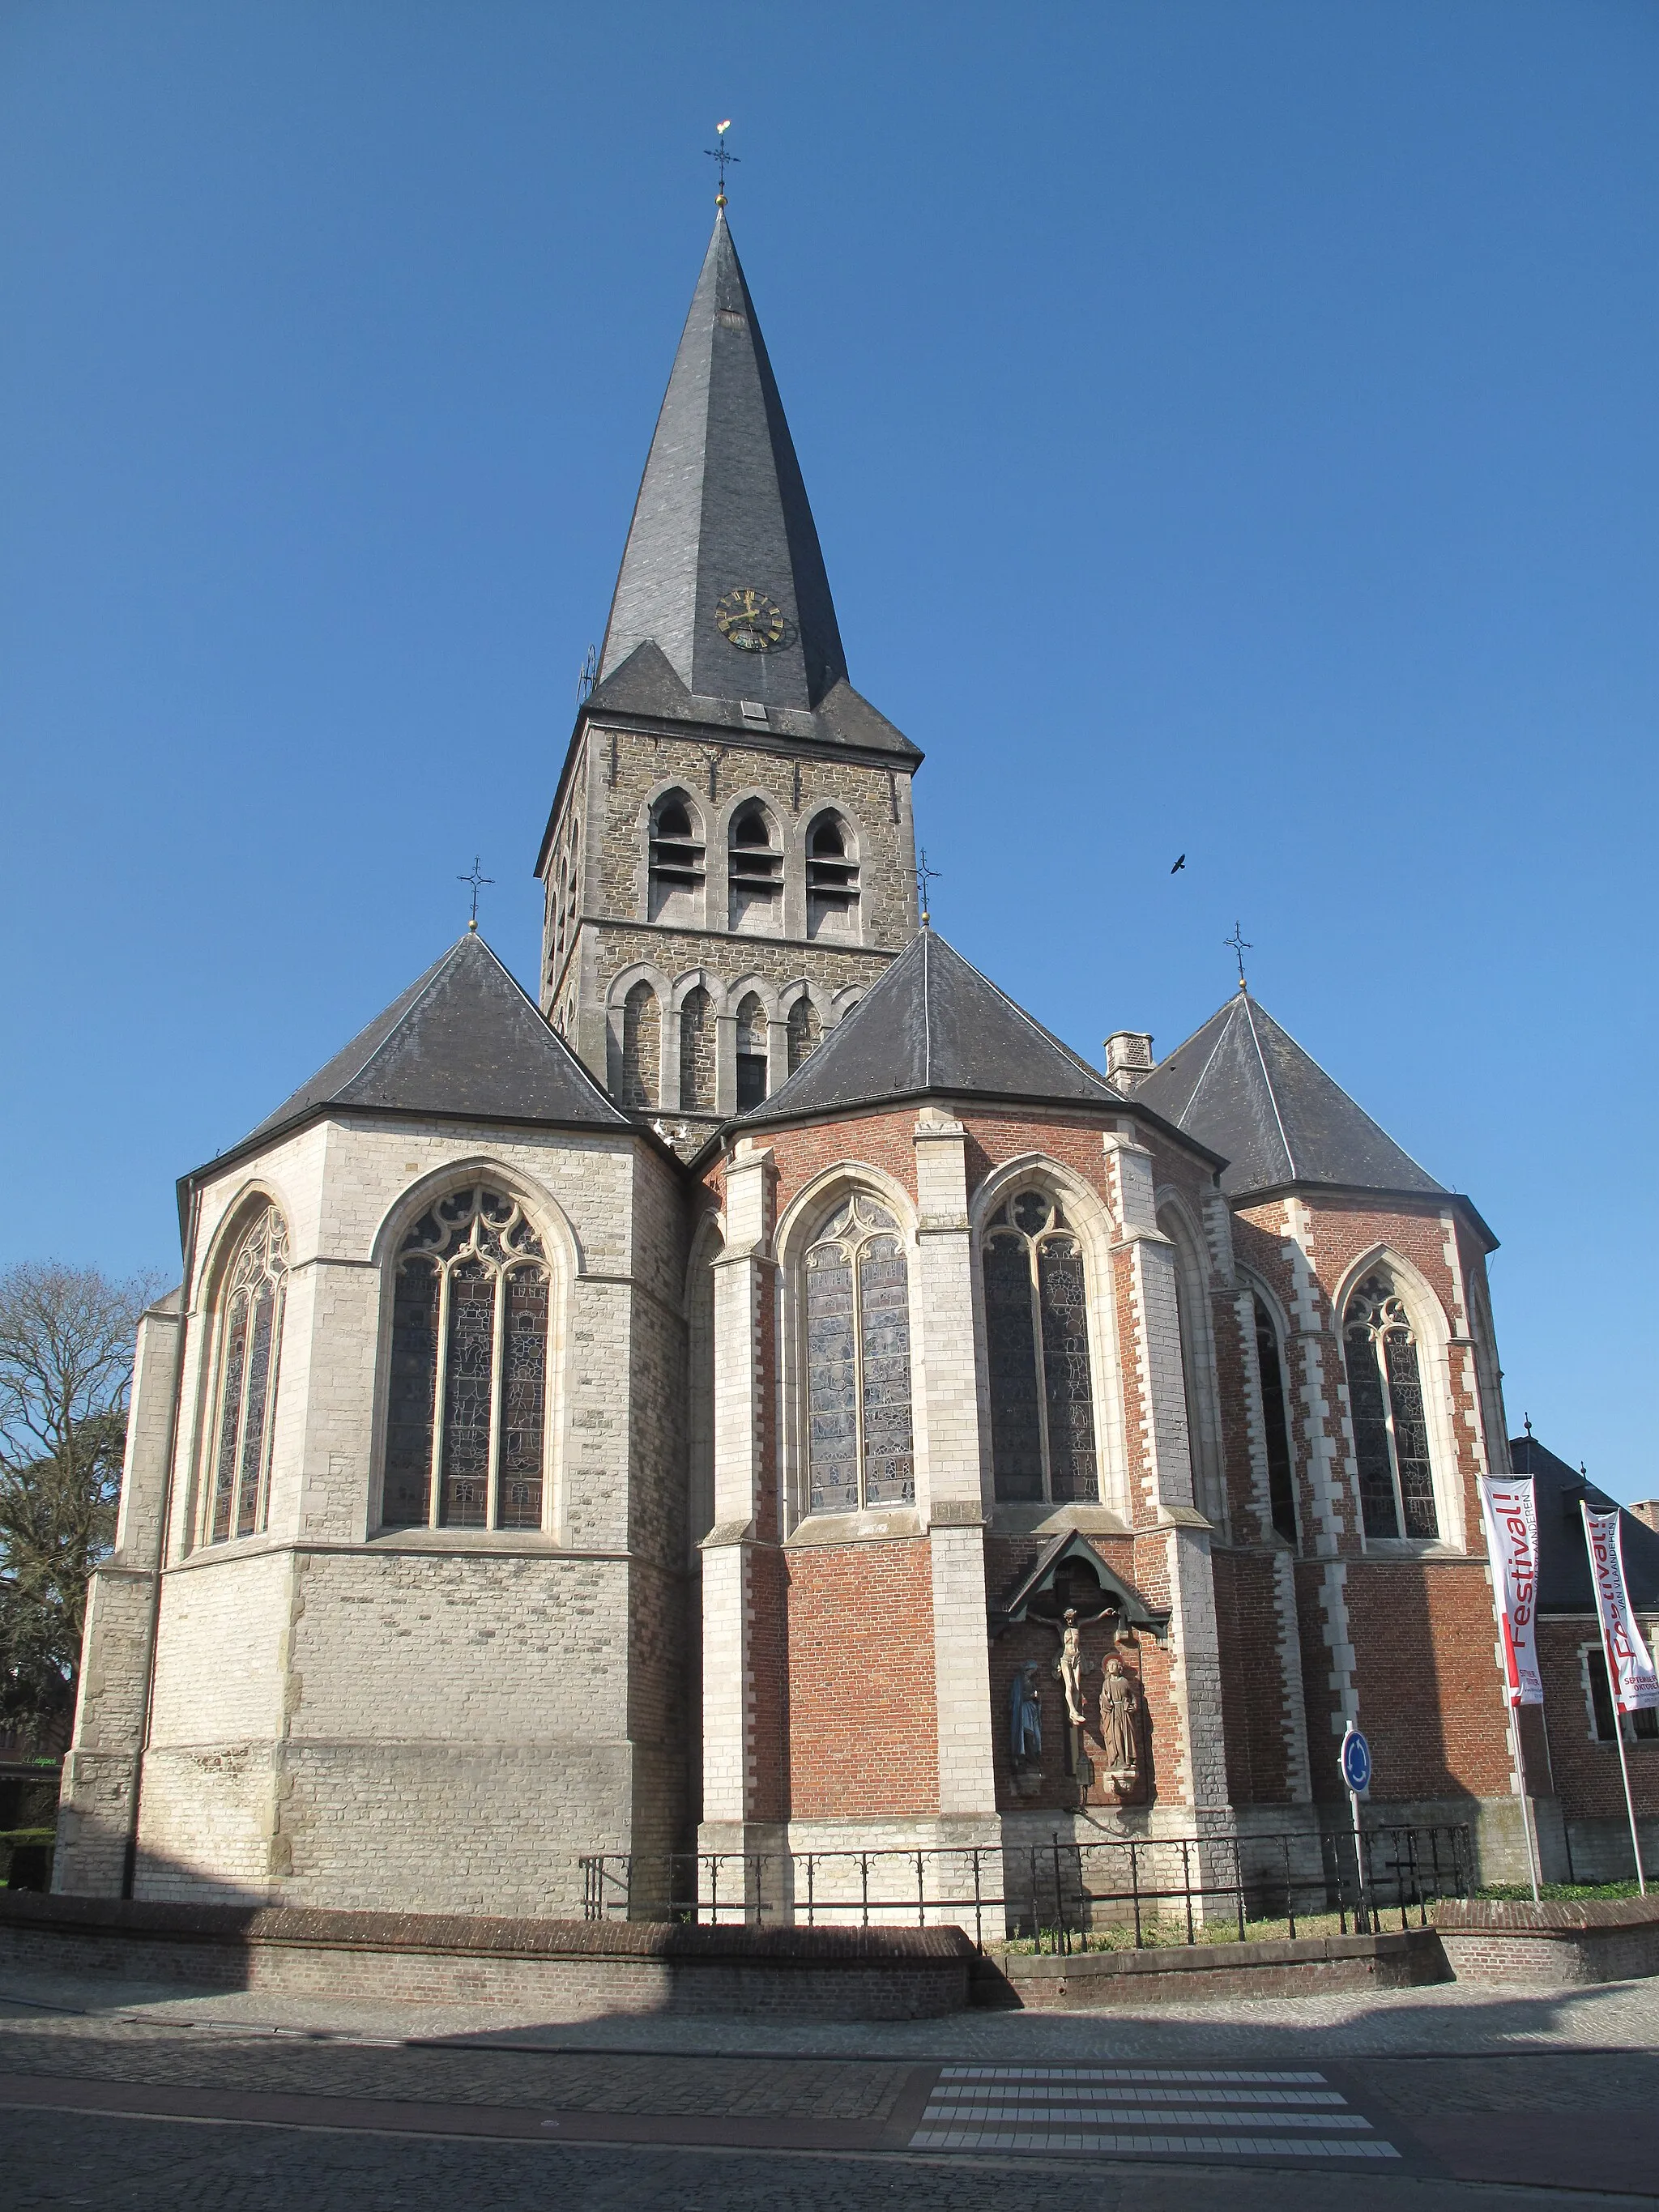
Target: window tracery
x,y
251,1337
642,1047
755,870
466,1401
1041,1386
1390,1425
859,1450
832,880
677,863
1270,1372
751,1053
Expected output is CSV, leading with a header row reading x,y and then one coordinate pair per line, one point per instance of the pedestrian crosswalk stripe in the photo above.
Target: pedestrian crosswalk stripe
x,y
1139,2111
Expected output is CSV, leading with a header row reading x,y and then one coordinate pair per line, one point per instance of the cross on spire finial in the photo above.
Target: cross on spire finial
x,y
477,881
1239,944
718,152
925,876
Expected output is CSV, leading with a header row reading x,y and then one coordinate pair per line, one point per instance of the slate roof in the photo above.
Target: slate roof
x,y
932,1025
1245,1087
463,1039
1564,1571
721,505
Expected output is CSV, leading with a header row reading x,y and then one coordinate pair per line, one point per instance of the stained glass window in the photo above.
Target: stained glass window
x,y
1281,1486
469,1333
1385,1404
1041,1386
251,1333
859,1447
642,1047
697,1051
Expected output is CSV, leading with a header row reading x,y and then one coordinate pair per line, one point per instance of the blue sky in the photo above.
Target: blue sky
x,y
1231,429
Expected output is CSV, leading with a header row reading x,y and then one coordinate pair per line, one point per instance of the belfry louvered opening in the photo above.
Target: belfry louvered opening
x,y
677,860
755,870
832,880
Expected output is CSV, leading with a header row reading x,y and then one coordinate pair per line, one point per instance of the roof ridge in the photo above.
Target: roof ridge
x,y
1220,1039
1267,1076
1032,1023
927,1009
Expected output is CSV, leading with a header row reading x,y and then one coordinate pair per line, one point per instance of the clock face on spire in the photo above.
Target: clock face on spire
x,y
749,620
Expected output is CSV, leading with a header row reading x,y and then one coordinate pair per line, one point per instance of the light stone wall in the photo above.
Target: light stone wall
x,y
415,1719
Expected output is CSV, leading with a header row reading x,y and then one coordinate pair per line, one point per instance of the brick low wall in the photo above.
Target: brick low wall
x,y
555,1969
1196,1974
1554,1946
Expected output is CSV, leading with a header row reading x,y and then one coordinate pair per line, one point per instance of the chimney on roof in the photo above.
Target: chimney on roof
x,y
1647,1510
1128,1058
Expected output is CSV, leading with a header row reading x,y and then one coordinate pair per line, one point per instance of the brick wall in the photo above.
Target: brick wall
x,y
862,1733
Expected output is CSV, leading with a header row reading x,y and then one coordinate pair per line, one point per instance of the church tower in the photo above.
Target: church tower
x,y
730,860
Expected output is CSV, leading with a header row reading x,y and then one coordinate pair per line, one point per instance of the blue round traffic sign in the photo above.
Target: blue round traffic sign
x,y
1356,1762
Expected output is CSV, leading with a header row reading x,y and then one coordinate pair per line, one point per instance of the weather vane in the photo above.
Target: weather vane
x,y
1239,944
718,153
925,876
478,882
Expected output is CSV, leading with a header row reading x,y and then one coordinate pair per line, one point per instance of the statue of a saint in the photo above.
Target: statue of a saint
x,y
1025,1718
1120,1721
1070,1669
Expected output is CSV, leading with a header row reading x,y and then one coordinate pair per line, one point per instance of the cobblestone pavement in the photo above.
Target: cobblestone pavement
x,y
158,2167
1346,2024
120,2096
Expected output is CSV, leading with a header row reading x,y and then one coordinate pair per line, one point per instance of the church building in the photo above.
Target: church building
x,y
764,1392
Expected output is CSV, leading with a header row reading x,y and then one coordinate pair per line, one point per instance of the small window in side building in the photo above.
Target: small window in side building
x,y
1645,1726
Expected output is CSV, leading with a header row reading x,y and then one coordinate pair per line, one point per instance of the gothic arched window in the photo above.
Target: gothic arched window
x,y
1385,1399
832,880
1270,1372
751,1053
806,1031
755,870
858,1362
697,1051
1037,1325
466,1404
642,1047
676,860
250,1346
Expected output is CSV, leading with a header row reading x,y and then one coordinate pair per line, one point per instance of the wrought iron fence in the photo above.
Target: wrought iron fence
x,y
1125,1892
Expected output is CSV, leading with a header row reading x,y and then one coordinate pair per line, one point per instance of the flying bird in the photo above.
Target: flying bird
x,y
1179,866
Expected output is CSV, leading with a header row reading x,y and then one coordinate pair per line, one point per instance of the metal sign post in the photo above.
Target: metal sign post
x,y
1356,1757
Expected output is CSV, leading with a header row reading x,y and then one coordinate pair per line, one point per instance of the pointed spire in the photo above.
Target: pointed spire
x,y
722,510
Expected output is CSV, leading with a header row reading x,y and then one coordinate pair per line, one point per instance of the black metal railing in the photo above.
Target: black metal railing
x,y
1123,1892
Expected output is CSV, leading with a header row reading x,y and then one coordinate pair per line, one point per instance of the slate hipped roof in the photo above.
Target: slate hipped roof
x,y
1245,1087
932,1025
463,1039
722,506
1564,1569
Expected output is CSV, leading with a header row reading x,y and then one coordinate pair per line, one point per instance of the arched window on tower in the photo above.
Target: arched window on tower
x,y
676,860
857,1299
755,871
832,880
250,1348
1385,1400
466,1404
697,1052
805,1030
751,1053
1270,1372
1042,1420
641,1048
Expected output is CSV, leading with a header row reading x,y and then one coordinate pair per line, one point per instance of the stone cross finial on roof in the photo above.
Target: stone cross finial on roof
x,y
477,881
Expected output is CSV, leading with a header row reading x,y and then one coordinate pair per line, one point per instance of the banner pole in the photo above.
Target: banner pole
x,y
1630,1805
1613,1679
1526,1808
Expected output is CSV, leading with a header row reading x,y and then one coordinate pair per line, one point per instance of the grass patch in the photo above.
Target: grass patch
x,y
1553,1893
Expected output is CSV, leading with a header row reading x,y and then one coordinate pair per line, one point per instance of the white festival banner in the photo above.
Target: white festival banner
x,y
1635,1684
1511,1515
